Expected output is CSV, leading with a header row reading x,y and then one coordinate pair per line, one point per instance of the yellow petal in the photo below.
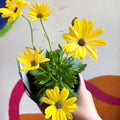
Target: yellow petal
x,y
41,7
83,27
49,94
35,19
56,98
25,69
56,89
33,6
62,115
75,53
91,53
58,115
44,18
29,51
93,48
24,53
48,101
96,42
70,100
37,6
5,15
23,60
70,108
71,48
46,6
47,13
94,34
21,3
90,27
54,116
34,67
39,58
43,4
44,60
64,94
69,38
69,115
65,46
50,111
73,33
82,53
36,52
12,18
77,26
5,10
32,15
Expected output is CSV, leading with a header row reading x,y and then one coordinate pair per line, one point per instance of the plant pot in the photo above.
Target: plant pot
x,y
34,91
31,89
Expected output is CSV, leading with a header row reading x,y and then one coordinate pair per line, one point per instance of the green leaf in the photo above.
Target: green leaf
x,y
36,72
72,93
49,84
45,80
61,31
76,63
41,50
29,48
82,68
60,47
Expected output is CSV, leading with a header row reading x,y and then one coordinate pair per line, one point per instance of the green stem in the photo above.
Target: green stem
x,y
54,78
42,69
31,32
46,35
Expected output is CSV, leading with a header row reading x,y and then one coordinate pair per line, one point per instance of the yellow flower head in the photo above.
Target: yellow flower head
x,y
81,39
60,107
13,9
39,12
31,60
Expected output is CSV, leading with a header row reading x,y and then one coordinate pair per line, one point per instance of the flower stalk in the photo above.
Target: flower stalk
x,y
34,48
46,35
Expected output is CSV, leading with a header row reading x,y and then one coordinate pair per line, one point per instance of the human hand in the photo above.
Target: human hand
x,y
85,106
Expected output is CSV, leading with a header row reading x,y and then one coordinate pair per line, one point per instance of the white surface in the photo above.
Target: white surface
x,y
105,13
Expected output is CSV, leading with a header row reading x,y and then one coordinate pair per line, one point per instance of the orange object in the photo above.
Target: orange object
x,y
110,85
109,88
33,116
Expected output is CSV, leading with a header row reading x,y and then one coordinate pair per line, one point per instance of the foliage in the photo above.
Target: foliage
x,y
60,71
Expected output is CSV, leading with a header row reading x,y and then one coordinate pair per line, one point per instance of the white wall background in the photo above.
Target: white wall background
x,y
105,13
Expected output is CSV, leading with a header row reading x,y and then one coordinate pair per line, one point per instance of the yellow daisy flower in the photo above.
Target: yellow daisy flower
x,y
39,12
81,40
31,59
13,9
60,107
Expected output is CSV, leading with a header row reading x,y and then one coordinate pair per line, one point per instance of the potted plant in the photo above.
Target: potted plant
x,y
51,79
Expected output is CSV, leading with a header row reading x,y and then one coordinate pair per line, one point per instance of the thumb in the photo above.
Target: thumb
x,y
82,82
82,86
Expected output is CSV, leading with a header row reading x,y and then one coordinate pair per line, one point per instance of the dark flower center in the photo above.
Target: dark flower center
x,y
39,15
15,10
58,105
81,42
33,63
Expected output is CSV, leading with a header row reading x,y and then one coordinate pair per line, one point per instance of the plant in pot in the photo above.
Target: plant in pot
x,y
52,80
